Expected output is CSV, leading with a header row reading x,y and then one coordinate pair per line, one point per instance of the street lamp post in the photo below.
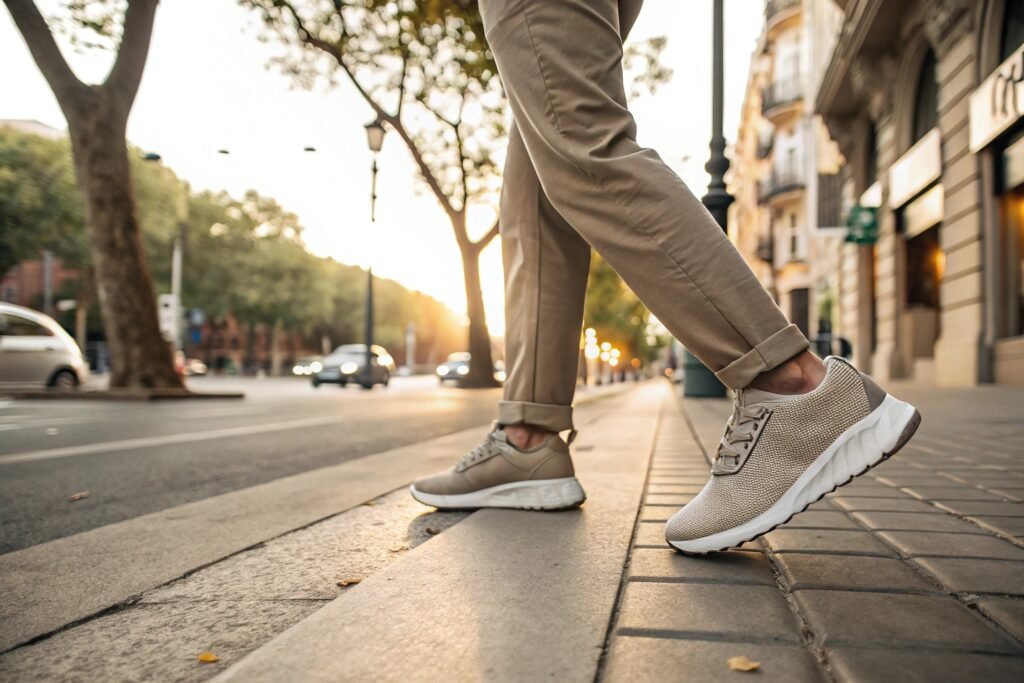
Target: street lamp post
x,y
375,140
698,379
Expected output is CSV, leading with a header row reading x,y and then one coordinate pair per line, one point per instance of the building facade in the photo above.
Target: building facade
x,y
925,99
786,217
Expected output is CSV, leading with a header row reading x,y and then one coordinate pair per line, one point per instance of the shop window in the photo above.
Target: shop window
x,y
926,99
1012,270
799,304
871,158
1013,28
925,266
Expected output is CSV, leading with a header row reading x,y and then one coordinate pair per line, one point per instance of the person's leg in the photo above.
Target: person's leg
x,y
523,463
560,64
561,67
546,266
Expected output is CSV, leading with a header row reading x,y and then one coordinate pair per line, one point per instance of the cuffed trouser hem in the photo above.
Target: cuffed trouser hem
x,y
769,354
548,416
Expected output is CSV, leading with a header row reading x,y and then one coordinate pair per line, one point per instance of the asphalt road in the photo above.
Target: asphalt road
x,y
134,458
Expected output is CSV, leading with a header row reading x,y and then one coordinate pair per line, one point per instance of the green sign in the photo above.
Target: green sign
x,y
862,225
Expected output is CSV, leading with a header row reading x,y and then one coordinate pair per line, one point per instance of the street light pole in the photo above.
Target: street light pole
x,y
375,140
698,379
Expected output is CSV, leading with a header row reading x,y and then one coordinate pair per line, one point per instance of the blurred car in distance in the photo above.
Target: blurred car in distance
x,y
310,365
35,351
457,366
347,363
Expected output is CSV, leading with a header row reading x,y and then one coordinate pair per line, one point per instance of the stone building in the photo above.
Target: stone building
x,y
786,217
925,98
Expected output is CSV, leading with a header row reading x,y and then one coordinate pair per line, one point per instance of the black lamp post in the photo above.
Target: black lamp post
x,y
698,379
375,140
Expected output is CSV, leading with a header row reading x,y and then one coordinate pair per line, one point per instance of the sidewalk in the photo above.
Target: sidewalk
x,y
915,572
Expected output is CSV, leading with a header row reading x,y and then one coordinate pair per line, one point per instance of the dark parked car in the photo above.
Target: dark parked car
x,y
457,367
347,363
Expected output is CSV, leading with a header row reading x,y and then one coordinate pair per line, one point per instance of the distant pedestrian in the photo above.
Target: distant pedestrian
x,y
575,178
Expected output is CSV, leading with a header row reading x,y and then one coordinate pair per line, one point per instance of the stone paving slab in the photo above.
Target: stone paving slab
x,y
893,577
503,595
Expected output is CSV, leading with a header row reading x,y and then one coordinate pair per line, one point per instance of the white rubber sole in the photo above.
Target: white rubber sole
x,y
543,494
858,449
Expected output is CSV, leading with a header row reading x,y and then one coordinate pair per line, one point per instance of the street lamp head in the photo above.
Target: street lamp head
x,y
375,134
309,148
151,156
224,151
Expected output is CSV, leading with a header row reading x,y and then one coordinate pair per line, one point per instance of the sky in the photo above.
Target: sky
x,y
207,86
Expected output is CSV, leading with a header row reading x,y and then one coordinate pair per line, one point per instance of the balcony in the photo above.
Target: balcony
x,y
765,249
782,99
780,14
780,183
764,146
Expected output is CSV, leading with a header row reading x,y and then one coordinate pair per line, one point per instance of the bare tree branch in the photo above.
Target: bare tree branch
x,y
481,243
394,120
65,85
126,74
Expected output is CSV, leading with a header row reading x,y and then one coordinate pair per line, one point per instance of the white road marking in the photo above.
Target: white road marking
x,y
163,440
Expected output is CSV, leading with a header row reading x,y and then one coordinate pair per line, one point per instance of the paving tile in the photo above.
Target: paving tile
x,y
681,498
1007,612
897,620
657,513
914,543
914,521
639,660
650,533
1009,526
853,665
822,519
677,489
951,493
852,572
727,567
743,612
902,504
962,575
982,507
869,491
826,540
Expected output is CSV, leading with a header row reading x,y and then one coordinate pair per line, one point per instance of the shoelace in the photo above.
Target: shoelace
x,y
484,450
741,415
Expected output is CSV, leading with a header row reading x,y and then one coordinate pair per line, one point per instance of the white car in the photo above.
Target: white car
x,y
36,352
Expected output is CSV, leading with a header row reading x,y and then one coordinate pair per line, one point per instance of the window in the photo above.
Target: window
x,y
1013,28
926,100
871,157
16,326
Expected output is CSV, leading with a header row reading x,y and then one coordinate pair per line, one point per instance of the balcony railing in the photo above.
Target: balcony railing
x,y
773,7
781,92
781,180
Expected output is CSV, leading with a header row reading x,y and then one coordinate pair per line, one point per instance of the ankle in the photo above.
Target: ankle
x,y
798,375
524,437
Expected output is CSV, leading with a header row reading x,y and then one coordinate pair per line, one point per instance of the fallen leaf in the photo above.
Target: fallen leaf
x,y
433,531
370,503
348,582
208,658
741,663
398,549
78,496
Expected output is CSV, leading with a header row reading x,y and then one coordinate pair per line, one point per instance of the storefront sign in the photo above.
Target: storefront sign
x,y
862,225
917,169
924,212
998,102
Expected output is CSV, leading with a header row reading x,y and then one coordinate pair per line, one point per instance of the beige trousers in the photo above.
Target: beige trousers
x,y
575,178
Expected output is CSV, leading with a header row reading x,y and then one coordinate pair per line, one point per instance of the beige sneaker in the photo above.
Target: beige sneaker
x,y
496,474
779,454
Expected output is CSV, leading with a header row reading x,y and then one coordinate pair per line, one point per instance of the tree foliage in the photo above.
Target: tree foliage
x,y
243,257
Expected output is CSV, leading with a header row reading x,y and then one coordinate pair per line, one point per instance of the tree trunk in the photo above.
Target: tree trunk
x,y
275,349
481,368
140,357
